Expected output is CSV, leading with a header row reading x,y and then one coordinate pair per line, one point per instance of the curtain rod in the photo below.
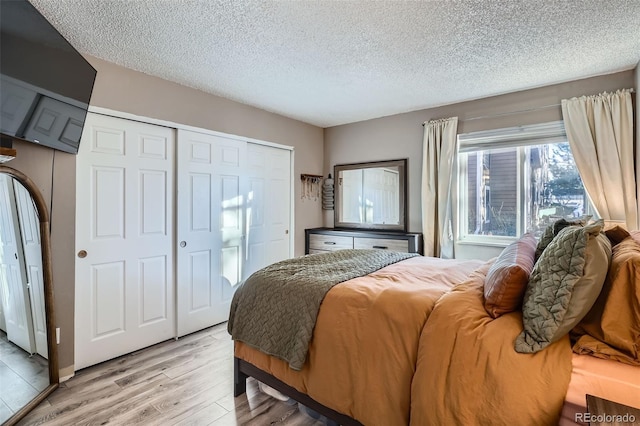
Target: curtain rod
x,y
514,112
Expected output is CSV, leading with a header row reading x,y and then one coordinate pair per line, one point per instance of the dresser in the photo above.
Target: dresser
x,y
319,240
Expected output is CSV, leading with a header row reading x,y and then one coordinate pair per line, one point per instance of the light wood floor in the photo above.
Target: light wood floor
x,y
184,382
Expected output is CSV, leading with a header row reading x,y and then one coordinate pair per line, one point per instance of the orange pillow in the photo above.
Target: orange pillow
x,y
611,330
616,234
508,277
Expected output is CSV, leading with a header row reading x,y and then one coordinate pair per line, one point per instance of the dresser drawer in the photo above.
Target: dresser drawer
x,y
330,239
329,242
381,243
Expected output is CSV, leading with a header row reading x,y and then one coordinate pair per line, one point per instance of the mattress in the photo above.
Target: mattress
x,y
607,379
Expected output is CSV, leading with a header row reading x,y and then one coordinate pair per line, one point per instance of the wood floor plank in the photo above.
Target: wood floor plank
x,y
75,411
232,403
173,405
128,364
191,385
204,416
180,388
129,400
220,332
65,395
144,415
183,382
269,412
160,366
209,358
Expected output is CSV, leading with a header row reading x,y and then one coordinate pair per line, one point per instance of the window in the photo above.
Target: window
x,y
517,180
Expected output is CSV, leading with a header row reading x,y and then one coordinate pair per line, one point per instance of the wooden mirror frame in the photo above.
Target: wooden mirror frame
x,y
402,201
47,276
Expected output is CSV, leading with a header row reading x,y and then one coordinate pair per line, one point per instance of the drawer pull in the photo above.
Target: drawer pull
x,y
330,243
380,247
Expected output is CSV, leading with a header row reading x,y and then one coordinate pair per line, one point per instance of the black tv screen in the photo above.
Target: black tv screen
x,y
45,83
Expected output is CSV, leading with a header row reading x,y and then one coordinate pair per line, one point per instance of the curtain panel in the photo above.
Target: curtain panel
x,y
600,133
439,151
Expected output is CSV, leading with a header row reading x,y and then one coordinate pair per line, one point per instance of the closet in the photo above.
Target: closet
x,y
169,221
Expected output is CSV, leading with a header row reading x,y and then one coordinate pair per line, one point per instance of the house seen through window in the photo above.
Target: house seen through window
x,y
517,180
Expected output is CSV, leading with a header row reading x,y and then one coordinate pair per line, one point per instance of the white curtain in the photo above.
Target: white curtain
x,y
600,132
439,151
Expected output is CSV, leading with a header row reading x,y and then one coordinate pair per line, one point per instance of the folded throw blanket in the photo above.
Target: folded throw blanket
x,y
275,309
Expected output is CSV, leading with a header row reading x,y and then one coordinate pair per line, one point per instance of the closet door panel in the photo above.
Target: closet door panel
x,y
211,203
269,206
124,238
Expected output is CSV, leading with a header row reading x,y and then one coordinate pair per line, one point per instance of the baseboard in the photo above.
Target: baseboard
x,y
67,373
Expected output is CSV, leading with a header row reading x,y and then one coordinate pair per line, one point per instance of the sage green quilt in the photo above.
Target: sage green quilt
x,y
275,309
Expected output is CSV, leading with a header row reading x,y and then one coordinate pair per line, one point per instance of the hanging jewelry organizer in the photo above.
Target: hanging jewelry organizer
x,y
311,186
327,193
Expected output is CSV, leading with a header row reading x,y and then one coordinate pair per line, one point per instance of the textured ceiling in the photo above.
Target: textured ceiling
x,y
334,62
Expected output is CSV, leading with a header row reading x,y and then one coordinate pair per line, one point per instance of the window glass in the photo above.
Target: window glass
x,y
508,191
554,187
492,190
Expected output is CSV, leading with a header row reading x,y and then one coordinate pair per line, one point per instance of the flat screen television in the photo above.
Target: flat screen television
x,y
45,84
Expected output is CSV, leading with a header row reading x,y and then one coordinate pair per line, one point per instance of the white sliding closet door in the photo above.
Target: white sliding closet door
x,y
268,207
211,203
124,238
234,214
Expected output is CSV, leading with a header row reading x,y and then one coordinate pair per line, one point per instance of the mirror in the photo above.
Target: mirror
x,y
371,195
28,362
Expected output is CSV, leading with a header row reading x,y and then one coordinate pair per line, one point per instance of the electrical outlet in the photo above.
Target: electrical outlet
x,y
58,335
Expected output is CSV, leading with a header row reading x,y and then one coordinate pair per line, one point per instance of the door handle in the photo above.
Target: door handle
x,y
82,254
183,244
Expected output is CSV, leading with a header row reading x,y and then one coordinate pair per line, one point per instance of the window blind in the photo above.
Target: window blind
x,y
509,137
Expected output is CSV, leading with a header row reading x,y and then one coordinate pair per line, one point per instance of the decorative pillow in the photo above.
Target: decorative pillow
x,y
553,230
616,234
611,329
564,285
507,278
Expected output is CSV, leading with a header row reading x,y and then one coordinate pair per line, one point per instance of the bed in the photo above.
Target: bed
x,y
412,343
606,379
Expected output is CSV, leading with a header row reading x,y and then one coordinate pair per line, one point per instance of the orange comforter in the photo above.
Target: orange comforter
x,y
376,358
364,349
468,373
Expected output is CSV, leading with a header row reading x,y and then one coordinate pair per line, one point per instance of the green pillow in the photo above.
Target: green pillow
x,y
564,285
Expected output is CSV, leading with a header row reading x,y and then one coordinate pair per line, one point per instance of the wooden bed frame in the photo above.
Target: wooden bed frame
x,y
243,370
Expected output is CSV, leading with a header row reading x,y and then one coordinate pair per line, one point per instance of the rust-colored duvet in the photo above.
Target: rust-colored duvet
x,y
468,372
376,358
365,343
